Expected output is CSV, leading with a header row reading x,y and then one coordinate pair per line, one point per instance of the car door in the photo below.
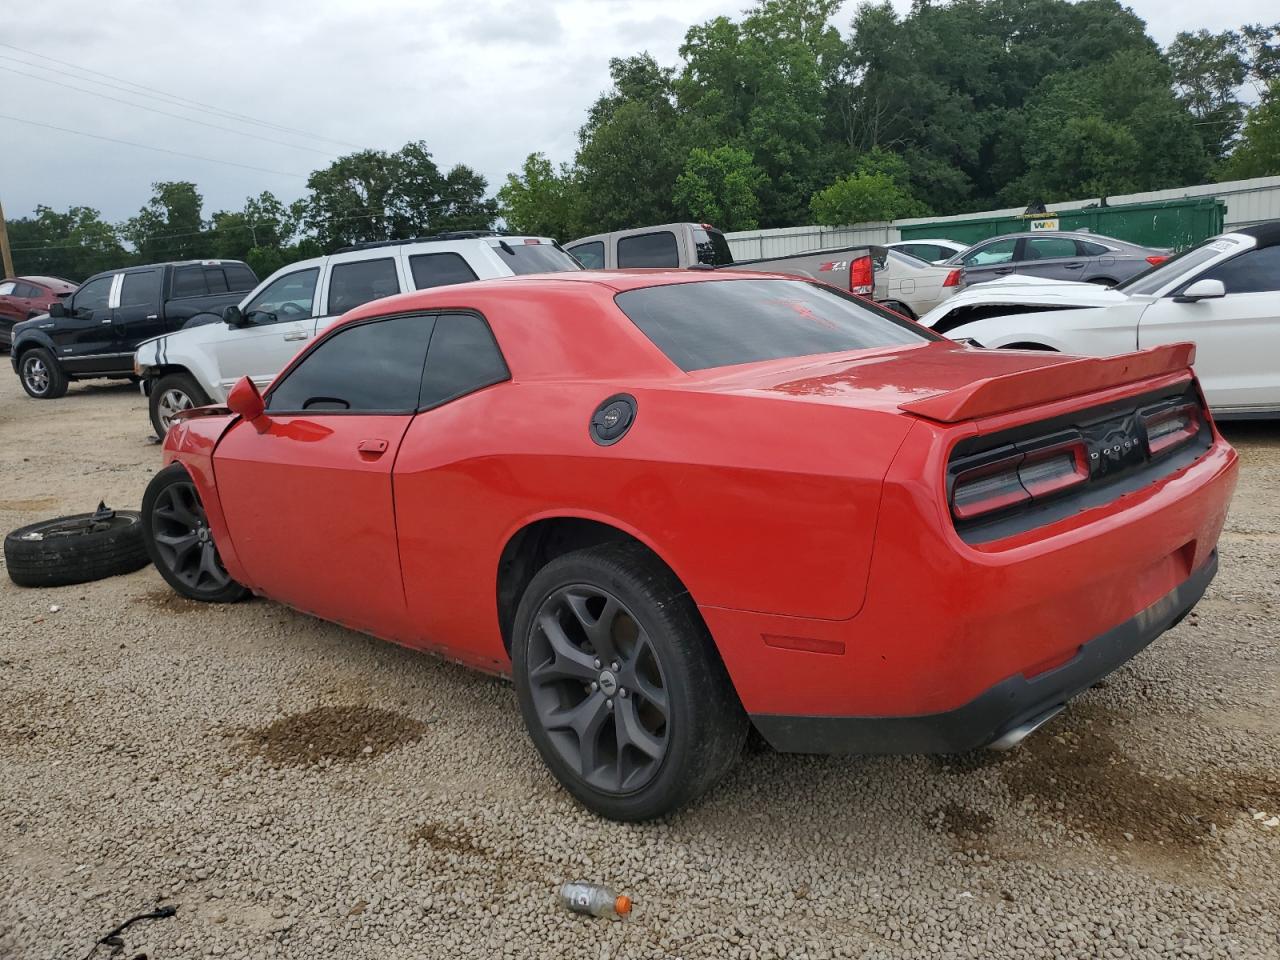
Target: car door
x,y
436,533
138,317
277,322
10,309
990,260
1237,336
306,489
1055,258
84,338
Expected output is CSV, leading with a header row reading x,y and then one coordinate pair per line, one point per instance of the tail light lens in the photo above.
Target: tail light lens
x,y
1019,477
1156,259
953,278
1170,428
861,279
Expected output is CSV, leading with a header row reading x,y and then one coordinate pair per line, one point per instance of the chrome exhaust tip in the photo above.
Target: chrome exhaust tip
x,y
1011,738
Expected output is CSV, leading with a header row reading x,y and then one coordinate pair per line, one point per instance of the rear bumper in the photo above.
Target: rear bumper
x,y
997,710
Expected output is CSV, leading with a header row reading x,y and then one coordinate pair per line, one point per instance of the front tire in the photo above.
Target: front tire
x,y
172,394
41,376
619,684
179,541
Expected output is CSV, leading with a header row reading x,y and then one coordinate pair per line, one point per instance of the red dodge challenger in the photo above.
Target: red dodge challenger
x,y
674,504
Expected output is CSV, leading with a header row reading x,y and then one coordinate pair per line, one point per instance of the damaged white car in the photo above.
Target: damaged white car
x,y
1223,295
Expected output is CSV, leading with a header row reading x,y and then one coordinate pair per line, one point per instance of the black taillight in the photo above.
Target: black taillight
x,y
1170,427
1019,476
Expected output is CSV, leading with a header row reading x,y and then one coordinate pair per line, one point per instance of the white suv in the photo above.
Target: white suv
x,y
200,363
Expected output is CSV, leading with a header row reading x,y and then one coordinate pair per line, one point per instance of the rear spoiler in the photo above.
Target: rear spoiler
x,y
1070,378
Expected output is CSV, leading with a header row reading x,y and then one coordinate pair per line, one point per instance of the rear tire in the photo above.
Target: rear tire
x,y
40,374
179,541
620,686
172,393
898,306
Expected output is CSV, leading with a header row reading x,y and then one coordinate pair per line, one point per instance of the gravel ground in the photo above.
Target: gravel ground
x,y
299,790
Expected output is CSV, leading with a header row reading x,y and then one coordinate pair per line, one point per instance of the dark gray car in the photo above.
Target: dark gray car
x,y
1057,256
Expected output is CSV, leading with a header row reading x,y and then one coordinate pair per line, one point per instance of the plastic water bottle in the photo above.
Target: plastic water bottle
x,y
594,899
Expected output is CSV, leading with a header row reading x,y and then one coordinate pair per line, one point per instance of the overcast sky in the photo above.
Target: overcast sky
x,y
483,82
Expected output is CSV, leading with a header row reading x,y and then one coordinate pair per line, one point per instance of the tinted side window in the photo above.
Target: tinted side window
x,y
215,280
353,284
1257,271
649,250
590,255
464,357
712,248
28,290
1088,249
188,282
373,367
439,270
94,295
239,277
140,289
1049,248
1001,251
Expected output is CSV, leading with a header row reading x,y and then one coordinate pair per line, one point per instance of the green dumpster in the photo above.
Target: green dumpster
x,y
1177,223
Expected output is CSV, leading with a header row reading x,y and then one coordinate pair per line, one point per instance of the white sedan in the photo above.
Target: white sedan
x,y
1223,295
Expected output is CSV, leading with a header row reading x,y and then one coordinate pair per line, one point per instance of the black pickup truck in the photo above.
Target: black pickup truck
x,y
94,332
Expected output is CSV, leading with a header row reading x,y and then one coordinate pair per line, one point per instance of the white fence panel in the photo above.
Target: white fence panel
x,y
1248,202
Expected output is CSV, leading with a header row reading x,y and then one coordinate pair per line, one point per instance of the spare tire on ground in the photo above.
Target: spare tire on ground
x,y
76,549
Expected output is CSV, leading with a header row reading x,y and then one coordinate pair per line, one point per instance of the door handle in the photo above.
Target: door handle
x,y
372,448
1074,266
153,316
1003,270
297,335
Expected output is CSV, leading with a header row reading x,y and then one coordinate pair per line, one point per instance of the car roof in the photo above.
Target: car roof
x,y
617,281
43,281
1264,234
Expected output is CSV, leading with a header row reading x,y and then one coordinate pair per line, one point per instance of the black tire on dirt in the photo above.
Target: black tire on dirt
x,y
620,686
75,549
171,393
179,541
897,306
40,374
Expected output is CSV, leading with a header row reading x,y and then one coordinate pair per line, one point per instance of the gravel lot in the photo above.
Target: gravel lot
x,y
298,790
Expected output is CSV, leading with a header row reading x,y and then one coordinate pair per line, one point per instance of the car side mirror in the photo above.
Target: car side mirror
x,y
232,316
245,400
1202,290
56,309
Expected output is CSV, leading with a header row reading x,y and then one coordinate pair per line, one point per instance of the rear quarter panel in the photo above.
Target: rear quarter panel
x,y
755,504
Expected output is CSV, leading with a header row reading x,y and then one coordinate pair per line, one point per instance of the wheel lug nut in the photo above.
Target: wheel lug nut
x,y
594,685
597,664
623,693
615,666
609,704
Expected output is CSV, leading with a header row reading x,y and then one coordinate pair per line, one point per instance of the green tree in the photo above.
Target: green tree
x,y
1207,70
375,195
1110,128
1258,152
171,226
720,186
539,200
73,245
629,155
863,198
760,85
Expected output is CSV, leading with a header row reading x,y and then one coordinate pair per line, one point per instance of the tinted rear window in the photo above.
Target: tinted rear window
x,y
439,270
713,248
725,322
239,277
188,282
590,255
524,257
649,250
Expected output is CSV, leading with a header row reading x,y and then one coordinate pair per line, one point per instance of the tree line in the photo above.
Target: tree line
x,y
777,119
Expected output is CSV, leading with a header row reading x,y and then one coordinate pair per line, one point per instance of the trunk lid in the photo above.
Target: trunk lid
x,y
945,381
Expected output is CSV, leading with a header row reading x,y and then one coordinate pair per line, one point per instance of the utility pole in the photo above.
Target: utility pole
x,y
6,257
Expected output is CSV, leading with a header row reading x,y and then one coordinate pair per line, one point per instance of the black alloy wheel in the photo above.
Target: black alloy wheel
x,y
180,542
620,684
